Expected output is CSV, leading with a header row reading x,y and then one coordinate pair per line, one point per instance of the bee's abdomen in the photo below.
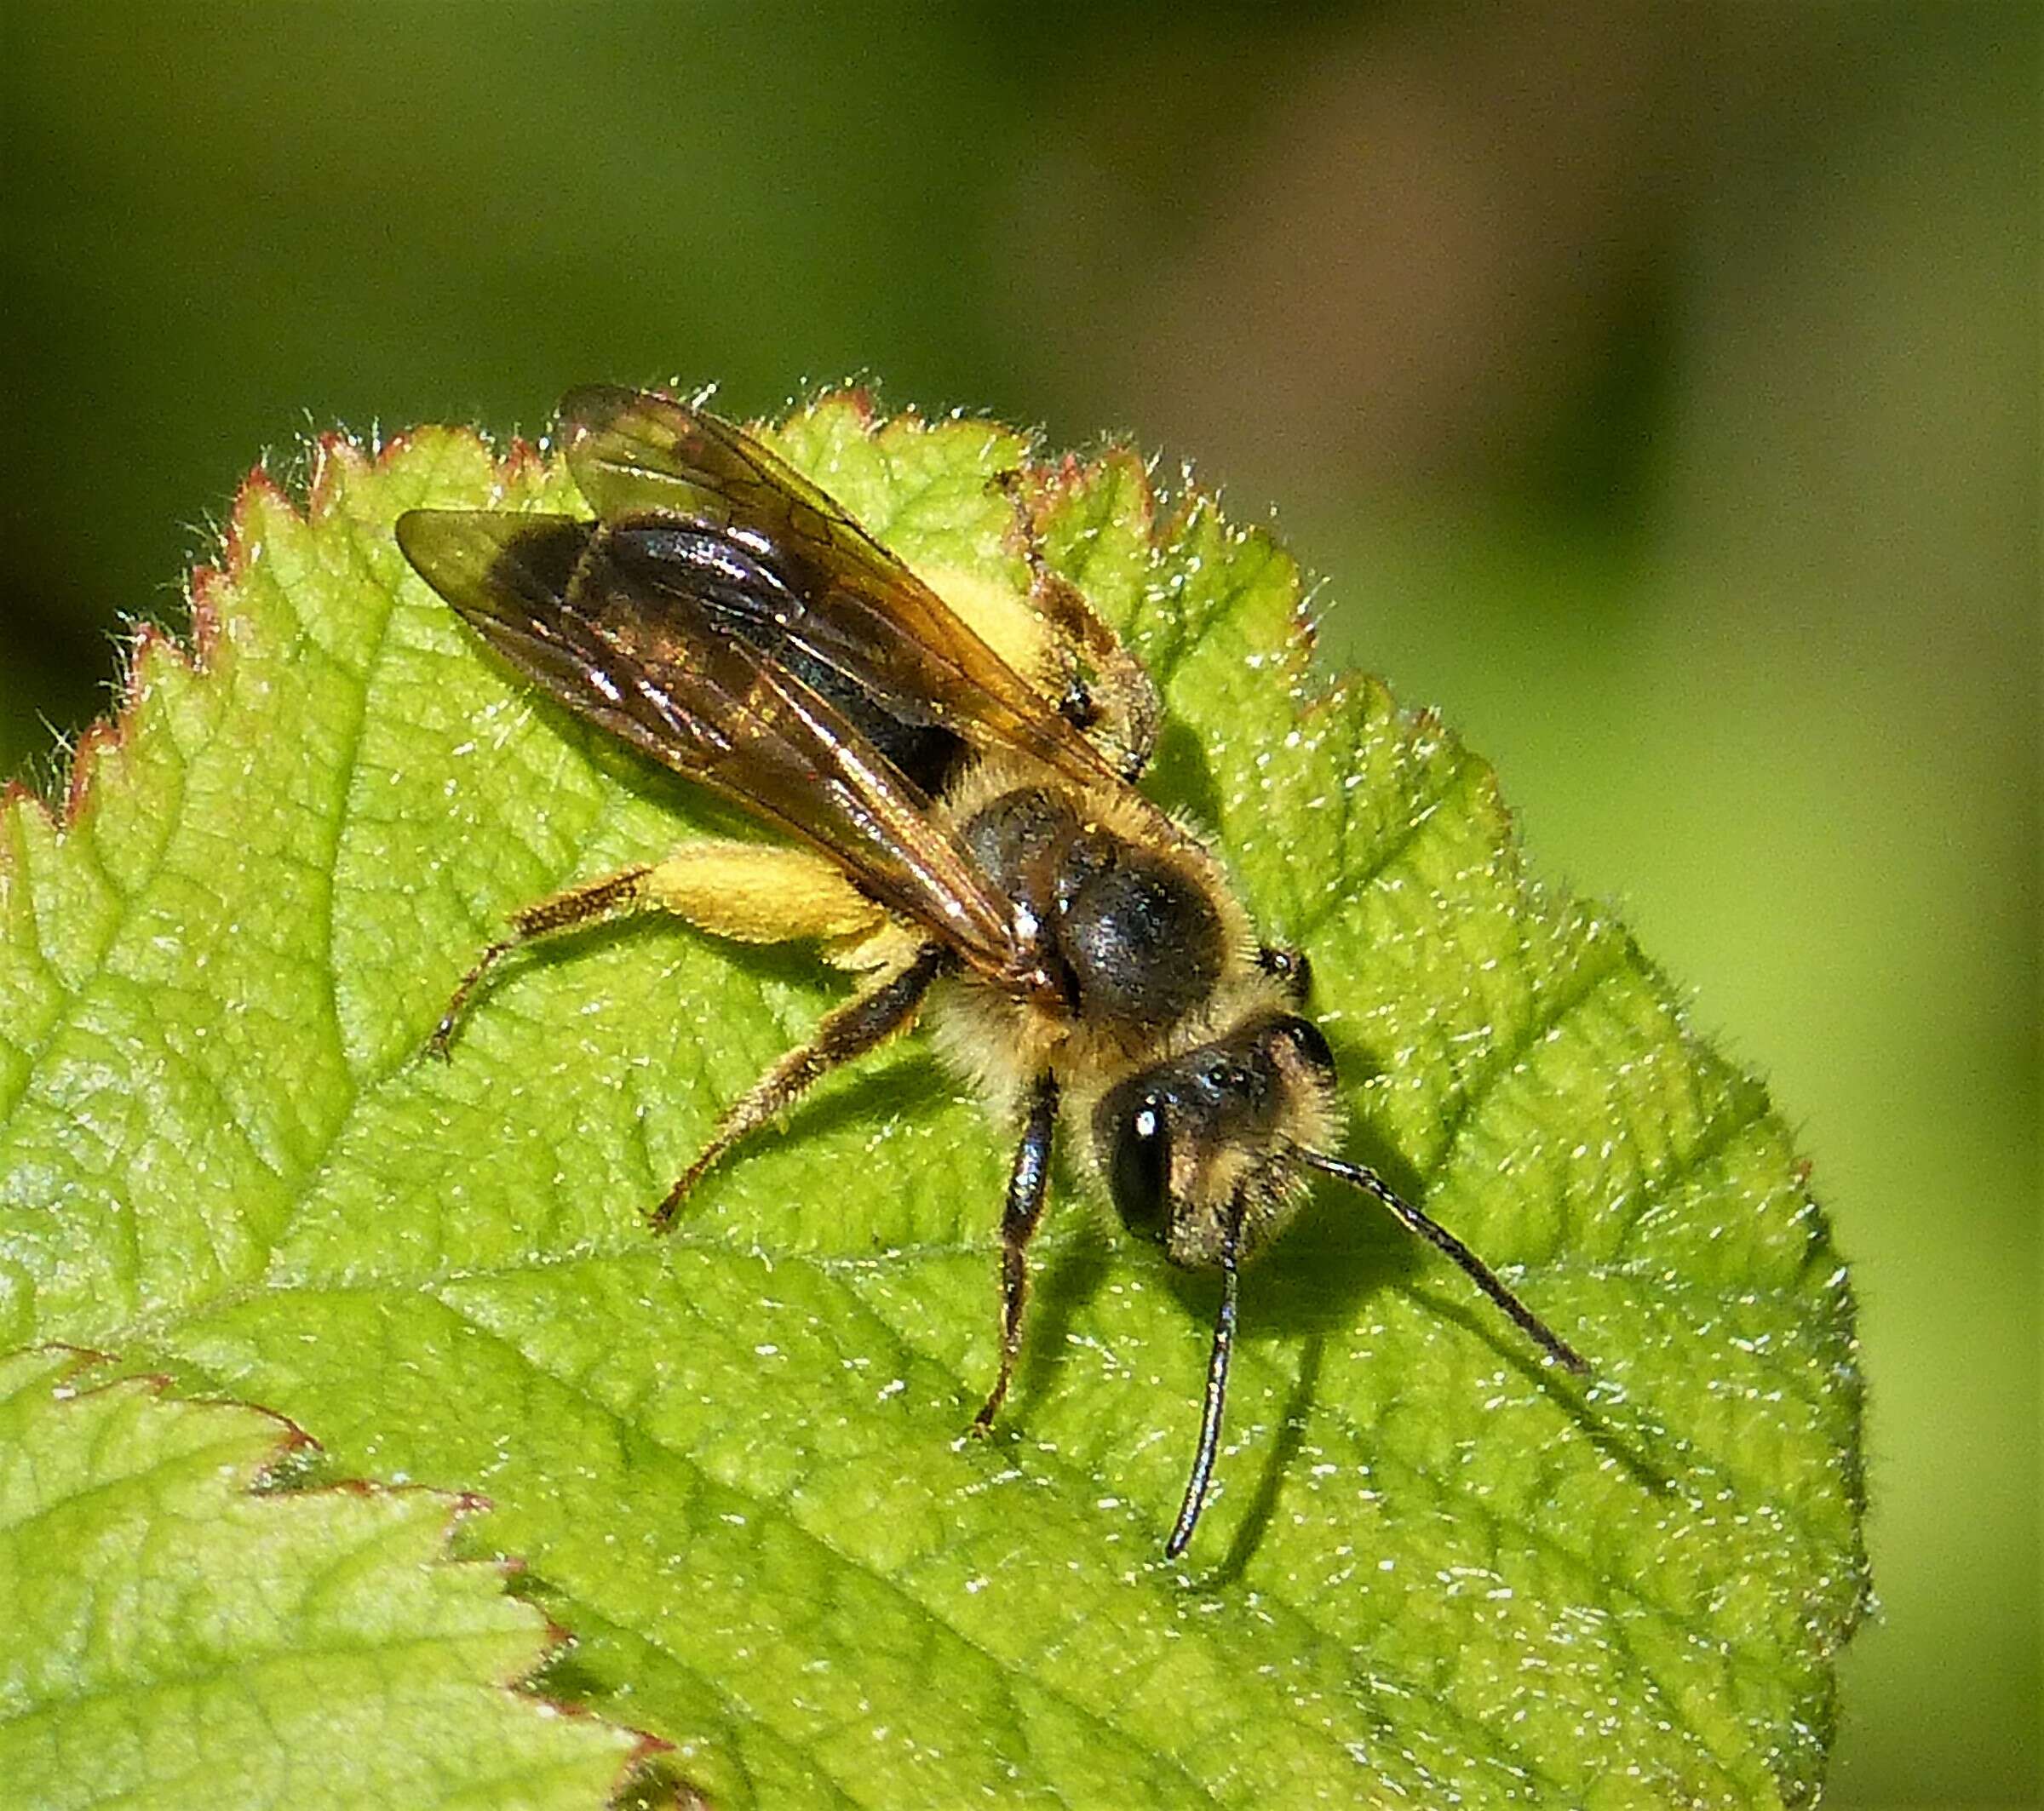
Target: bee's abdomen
x,y
1133,938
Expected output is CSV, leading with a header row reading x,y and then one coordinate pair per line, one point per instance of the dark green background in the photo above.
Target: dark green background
x,y
1656,390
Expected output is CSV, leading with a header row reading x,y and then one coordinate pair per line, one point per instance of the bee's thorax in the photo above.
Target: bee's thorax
x,y
1132,937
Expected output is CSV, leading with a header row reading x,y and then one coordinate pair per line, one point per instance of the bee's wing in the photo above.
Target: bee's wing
x,y
838,597
652,664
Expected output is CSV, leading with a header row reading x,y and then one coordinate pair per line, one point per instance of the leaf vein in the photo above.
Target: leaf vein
x,y
1004,1669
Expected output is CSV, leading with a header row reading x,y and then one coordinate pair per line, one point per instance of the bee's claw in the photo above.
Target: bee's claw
x,y
661,1217
983,1423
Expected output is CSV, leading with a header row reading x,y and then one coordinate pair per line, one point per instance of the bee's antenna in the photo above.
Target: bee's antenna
x,y
1438,1235
1217,1391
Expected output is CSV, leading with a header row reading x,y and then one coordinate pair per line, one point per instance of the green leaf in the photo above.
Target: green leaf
x,y
1435,1571
173,1638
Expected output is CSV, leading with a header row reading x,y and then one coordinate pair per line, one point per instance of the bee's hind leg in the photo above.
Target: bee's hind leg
x,y
1028,1184
852,1030
603,898
753,892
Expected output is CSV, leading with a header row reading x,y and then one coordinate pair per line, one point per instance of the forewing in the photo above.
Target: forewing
x,y
652,667
837,595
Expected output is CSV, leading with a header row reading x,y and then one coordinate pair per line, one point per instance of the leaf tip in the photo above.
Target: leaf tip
x,y
336,458
861,401
98,740
258,499
17,798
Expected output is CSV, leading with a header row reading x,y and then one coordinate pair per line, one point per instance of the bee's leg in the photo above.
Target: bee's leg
x,y
1106,694
599,899
1013,484
1028,1183
851,1031
753,892
1293,969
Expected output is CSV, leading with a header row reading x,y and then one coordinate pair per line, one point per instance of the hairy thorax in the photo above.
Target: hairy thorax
x,y
1130,915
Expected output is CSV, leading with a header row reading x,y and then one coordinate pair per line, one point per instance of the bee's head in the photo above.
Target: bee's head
x,y
1198,1150
1207,1154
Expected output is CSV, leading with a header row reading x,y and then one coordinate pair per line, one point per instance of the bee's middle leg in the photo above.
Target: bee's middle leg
x,y
852,1030
1028,1185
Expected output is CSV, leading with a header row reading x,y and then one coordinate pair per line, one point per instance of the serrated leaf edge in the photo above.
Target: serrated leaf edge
x,y
75,1381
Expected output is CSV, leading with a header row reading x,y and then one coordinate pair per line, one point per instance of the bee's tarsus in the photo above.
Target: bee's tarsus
x,y
662,1217
441,1043
579,904
1028,1185
1012,484
865,1020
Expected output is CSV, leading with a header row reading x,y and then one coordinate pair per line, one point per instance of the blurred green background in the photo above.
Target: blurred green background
x,y
1655,389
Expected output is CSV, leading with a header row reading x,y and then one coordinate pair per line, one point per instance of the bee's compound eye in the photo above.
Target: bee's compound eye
x,y
1138,1168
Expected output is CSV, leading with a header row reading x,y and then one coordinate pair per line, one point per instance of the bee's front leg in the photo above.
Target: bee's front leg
x,y
1028,1185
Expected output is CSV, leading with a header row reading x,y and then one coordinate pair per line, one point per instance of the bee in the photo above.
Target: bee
x,y
955,778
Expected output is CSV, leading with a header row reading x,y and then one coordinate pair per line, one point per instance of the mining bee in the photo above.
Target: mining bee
x,y
955,775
